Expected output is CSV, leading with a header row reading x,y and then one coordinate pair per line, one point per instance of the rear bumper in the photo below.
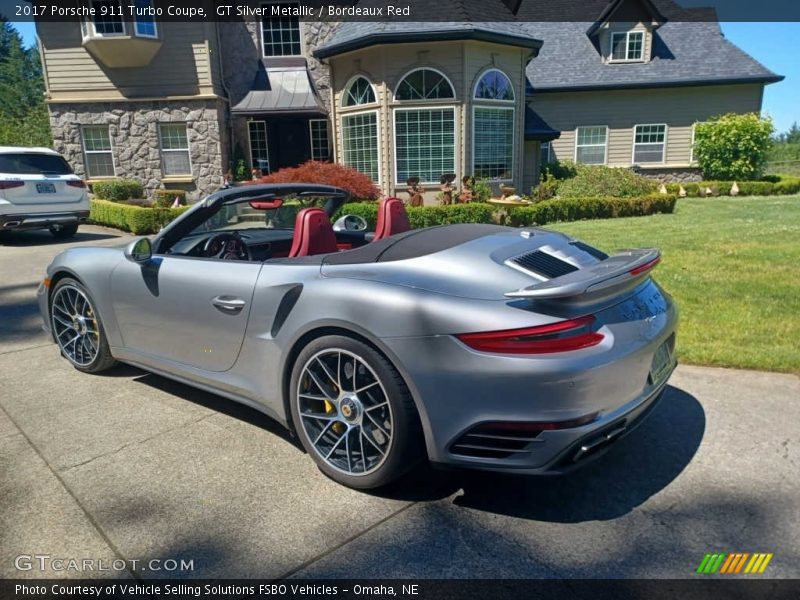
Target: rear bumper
x,y
24,221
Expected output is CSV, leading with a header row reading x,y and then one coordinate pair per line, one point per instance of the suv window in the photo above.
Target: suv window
x,y
26,163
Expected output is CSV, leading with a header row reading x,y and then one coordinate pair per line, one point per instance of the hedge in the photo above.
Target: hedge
x,y
117,189
135,219
783,187
560,209
165,198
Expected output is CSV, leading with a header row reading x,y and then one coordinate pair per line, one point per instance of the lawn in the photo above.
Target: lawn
x,y
733,266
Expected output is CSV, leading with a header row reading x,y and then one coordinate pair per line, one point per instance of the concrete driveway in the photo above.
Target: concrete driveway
x,y
133,466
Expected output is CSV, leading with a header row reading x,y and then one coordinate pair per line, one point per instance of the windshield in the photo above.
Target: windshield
x,y
27,163
242,216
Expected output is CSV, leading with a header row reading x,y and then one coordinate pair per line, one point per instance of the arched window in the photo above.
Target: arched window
x,y
493,127
424,84
424,136
358,92
494,85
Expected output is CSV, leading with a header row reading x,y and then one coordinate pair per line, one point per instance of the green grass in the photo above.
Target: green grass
x,y
733,266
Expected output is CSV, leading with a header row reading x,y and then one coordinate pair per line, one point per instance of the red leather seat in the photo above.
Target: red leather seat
x,y
313,233
392,219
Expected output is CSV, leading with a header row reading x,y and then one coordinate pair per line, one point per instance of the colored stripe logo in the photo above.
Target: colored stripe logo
x,y
737,563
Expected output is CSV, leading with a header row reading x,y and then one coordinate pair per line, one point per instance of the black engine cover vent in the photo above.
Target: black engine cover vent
x,y
544,264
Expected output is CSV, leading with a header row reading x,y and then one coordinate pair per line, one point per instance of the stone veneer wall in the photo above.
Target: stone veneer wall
x,y
687,175
134,138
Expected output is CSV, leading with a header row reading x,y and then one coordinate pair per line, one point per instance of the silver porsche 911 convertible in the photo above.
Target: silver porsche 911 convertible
x,y
517,350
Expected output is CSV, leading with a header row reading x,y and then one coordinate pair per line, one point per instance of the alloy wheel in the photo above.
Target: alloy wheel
x,y
75,325
345,412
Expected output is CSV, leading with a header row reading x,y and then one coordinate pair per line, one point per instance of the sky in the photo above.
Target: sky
x,y
775,45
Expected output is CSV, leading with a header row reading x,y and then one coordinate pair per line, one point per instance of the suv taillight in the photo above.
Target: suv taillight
x,y
7,185
78,183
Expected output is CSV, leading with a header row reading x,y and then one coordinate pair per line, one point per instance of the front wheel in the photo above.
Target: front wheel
x,y
63,232
353,413
77,328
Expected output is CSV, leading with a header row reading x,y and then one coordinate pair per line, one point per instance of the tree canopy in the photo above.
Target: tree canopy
x,y
23,114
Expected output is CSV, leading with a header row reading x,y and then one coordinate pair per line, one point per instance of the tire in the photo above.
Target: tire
x,y
354,404
63,232
77,328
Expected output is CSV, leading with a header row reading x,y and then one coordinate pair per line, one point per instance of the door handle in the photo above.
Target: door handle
x,y
229,305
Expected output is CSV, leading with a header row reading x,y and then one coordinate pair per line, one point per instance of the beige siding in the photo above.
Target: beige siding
x,y
621,111
180,68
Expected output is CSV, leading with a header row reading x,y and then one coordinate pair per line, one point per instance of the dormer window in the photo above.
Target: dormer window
x,y
627,46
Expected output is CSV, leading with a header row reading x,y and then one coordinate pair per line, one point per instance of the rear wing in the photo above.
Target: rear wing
x,y
619,271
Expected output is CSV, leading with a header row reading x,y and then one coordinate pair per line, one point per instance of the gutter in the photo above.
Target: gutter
x,y
658,84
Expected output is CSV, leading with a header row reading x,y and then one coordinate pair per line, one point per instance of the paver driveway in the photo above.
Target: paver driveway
x,y
134,466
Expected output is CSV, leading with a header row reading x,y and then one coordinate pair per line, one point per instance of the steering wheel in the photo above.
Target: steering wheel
x,y
226,246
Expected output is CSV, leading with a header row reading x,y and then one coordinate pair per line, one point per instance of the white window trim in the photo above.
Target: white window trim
x,y
188,149
504,106
456,138
261,32
379,141
493,100
145,35
311,136
96,34
633,150
426,100
627,35
358,106
250,144
109,151
605,146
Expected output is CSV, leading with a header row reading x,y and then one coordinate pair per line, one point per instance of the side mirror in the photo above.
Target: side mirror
x,y
139,251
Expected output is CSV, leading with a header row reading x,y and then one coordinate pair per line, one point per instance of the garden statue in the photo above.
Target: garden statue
x,y
447,188
467,194
662,189
415,191
682,192
735,189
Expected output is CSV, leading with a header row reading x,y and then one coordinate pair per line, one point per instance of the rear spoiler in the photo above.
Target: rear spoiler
x,y
619,271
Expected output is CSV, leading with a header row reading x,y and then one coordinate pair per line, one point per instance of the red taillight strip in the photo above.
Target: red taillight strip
x,y
645,267
563,336
78,183
7,185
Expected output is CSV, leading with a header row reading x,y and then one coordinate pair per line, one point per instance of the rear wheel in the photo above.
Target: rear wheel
x,y
353,413
63,232
77,328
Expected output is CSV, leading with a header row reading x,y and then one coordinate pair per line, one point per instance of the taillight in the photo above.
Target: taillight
x,y
78,183
563,336
7,185
648,266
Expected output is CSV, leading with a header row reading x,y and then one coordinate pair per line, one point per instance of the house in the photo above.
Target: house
x,y
177,104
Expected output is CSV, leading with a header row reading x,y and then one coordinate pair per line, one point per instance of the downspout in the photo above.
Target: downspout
x,y
227,92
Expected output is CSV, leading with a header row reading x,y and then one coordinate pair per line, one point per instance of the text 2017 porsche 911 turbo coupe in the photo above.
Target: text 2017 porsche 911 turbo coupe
x,y
481,346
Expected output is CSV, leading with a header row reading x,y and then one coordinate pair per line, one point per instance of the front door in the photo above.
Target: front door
x,y
292,141
193,311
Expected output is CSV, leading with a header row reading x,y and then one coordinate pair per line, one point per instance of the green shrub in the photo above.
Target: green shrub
x,y
429,216
560,170
733,146
135,219
116,190
787,186
723,188
481,191
598,180
547,189
575,209
165,198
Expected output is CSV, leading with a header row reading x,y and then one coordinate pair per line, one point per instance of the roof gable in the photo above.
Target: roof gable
x,y
628,11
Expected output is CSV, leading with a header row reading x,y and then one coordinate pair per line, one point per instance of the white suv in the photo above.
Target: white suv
x,y
39,190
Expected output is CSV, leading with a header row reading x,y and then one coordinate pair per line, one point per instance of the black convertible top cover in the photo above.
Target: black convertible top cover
x,y
412,244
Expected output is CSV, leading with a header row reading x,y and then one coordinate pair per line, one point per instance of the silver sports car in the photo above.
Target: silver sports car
x,y
517,350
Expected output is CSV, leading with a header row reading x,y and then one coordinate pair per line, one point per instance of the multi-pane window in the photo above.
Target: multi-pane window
x,y
280,33
544,153
97,155
649,143
425,142
358,92
627,46
424,84
494,142
259,150
360,143
108,17
591,144
174,144
320,139
144,24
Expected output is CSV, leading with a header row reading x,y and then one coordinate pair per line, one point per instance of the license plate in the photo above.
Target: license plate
x,y
662,363
46,188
